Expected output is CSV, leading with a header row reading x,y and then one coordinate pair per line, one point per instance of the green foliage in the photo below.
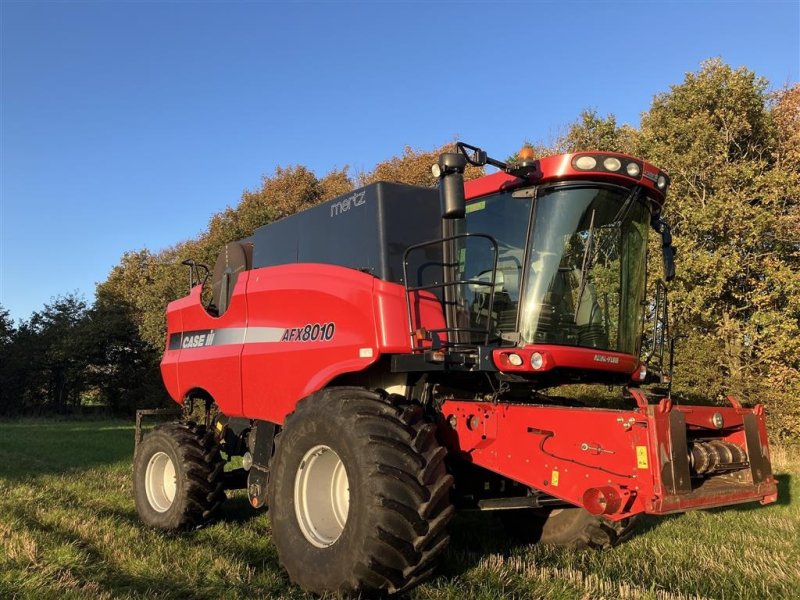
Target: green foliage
x,y
68,353
593,132
50,363
7,332
734,204
413,167
733,152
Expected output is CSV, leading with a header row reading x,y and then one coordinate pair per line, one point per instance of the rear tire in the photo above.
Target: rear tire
x,y
178,476
358,494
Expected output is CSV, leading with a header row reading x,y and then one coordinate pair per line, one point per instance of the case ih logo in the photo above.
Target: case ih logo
x,y
602,358
195,341
343,206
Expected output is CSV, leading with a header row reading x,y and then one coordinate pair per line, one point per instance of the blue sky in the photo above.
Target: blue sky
x,y
128,124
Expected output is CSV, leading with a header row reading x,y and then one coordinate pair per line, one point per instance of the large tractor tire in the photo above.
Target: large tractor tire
x,y
573,527
358,494
178,476
578,528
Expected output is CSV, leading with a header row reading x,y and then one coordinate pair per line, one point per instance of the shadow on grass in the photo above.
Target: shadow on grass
x,y
473,535
237,509
100,566
100,569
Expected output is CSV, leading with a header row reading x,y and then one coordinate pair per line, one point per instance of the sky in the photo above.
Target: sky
x,y
127,125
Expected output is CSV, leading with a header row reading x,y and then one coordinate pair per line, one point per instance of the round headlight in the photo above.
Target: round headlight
x,y
717,420
661,182
537,360
586,162
436,170
633,169
515,359
612,164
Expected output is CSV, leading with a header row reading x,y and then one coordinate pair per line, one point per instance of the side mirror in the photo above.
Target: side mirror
x,y
450,173
669,262
667,249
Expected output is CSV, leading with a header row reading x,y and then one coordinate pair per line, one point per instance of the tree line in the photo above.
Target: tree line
x,y
730,144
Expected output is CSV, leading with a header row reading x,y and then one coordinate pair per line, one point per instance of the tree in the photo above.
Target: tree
x,y
733,204
123,368
593,132
60,351
7,332
413,168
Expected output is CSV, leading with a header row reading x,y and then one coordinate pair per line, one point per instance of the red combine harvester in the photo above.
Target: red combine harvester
x,y
383,359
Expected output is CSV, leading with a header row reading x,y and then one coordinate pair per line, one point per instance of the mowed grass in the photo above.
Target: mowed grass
x,y
68,529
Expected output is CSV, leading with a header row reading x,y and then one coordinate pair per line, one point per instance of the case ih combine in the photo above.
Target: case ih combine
x,y
384,358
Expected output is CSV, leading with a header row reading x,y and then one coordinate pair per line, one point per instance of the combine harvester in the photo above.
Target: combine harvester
x,y
383,360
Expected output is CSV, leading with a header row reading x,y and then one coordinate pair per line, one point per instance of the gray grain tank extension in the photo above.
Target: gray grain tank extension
x,y
367,229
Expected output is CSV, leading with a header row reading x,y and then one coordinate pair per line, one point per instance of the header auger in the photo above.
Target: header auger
x,y
385,358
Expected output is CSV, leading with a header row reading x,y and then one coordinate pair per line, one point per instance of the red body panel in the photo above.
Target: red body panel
x,y
269,360
277,374
189,369
566,452
572,357
553,168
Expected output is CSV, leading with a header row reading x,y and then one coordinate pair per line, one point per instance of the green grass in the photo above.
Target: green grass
x,y
68,529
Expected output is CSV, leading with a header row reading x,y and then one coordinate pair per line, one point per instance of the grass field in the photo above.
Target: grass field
x,y
68,529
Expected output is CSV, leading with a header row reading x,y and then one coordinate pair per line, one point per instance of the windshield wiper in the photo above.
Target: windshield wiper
x,y
585,266
618,219
623,211
622,214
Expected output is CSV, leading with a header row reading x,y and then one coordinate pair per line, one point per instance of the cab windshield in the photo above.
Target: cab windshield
x,y
581,281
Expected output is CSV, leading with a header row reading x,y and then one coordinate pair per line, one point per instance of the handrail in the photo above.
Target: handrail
x,y
477,282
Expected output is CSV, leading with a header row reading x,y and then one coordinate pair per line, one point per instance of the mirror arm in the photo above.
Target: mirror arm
x,y
194,272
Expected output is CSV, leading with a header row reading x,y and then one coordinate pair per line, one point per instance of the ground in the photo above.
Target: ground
x,y
68,529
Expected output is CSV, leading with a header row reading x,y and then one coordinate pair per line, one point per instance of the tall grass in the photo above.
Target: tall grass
x,y
68,529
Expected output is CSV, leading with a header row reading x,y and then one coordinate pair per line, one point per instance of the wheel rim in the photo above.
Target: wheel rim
x,y
321,496
159,482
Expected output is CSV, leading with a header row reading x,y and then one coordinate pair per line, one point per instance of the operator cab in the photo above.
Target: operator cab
x,y
566,288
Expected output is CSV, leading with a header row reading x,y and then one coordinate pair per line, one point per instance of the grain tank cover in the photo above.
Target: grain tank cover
x,y
367,229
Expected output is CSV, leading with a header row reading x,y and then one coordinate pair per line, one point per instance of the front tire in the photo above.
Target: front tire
x,y
572,527
358,494
578,528
178,477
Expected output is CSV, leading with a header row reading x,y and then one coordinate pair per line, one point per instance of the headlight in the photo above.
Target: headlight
x,y
586,162
717,420
612,164
515,359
